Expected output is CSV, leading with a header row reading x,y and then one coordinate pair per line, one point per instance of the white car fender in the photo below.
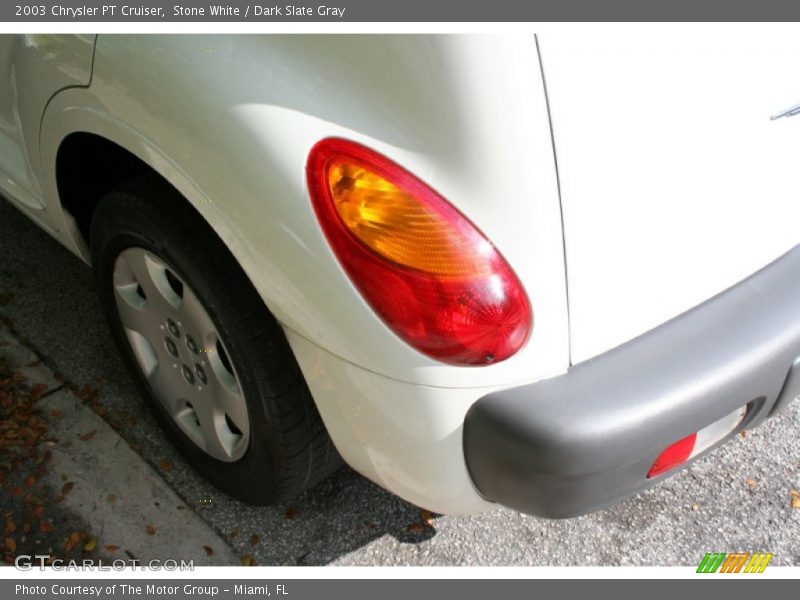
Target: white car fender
x,y
236,147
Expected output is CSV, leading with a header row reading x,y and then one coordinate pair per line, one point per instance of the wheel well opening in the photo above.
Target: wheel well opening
x,y
87,168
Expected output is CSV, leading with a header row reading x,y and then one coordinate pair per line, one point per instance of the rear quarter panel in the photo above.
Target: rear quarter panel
x,y
230,120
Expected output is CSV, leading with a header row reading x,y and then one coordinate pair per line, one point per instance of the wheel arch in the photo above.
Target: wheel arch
x,y
86,152
88,166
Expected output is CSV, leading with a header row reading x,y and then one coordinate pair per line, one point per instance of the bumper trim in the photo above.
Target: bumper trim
x,y
585,439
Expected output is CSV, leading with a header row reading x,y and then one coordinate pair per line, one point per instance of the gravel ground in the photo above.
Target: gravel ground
x,y
737,499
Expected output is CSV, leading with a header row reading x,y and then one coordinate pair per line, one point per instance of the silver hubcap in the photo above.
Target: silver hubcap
x,y
181,354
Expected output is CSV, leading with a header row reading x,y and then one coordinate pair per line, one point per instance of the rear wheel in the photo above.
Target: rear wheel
x,y
207,354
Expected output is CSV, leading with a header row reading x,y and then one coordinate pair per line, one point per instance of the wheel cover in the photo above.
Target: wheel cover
x,y
181,354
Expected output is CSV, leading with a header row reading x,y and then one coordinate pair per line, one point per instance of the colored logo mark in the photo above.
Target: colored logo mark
x,y
736,562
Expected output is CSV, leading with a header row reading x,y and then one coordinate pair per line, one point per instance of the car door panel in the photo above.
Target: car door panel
x,y
33,69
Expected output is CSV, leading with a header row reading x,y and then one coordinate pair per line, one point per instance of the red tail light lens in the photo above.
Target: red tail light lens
x,y
428,272
676,454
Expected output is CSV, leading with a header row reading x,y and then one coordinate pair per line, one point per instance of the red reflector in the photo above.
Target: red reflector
x,y
676,454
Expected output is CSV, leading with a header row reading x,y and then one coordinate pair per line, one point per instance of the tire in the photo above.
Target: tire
x,y
233,400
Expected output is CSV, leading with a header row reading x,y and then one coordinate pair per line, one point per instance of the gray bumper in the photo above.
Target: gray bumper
x,y
577,442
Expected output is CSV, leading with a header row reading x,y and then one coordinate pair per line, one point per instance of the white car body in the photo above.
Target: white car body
x,y
655,140
676,184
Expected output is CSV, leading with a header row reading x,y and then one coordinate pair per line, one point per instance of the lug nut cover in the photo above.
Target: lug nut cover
x,y
173,328
188,375
171,347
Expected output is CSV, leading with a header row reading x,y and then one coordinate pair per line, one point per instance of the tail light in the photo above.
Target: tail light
x,y
429,273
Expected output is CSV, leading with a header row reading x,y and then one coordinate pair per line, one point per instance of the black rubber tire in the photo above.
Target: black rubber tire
x,y
289,449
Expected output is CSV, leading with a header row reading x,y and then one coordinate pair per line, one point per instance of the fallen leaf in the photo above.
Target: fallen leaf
x,y
73,539
87,393
752,482
254,539
30,481
67,488
247,561
695,506
15,490
26,527
55,413
291,512
209,550
11,527
415,528
11,545
90,545
87,436
38,511
165,465
34,363
111,498
111,548
427,517
37,391
743,433
150,529
795,499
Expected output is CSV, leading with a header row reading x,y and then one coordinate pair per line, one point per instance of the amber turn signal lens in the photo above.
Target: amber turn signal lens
x,y
425,269
396,225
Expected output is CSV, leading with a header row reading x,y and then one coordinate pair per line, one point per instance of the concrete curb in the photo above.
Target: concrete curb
x,y
125,501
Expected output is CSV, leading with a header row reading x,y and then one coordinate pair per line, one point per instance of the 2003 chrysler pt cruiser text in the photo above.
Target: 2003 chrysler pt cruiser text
x,y
316,248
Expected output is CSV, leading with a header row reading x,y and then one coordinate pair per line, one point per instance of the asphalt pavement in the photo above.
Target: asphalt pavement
x,y
737,499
